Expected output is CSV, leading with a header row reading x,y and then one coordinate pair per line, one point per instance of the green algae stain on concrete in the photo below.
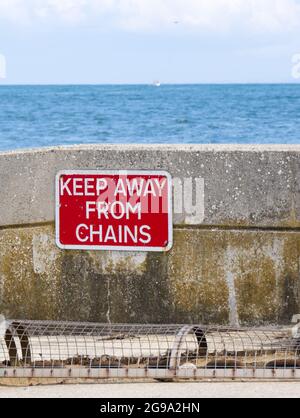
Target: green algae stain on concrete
x,y
76,287
266,277
257,271
29,270
110,287
235,277
210,276
196,273
289,292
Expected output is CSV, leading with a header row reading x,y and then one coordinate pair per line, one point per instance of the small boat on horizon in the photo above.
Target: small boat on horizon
x,y
156,83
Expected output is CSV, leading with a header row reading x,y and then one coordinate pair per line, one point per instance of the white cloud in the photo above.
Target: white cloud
x,y
203,15
13,10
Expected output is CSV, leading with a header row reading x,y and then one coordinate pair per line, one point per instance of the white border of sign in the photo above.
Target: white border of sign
x,y
114,173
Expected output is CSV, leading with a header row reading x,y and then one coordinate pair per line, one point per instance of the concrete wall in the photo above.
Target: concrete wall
x,y
238,265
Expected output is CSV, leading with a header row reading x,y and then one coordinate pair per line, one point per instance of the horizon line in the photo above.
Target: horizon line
x,y
151,84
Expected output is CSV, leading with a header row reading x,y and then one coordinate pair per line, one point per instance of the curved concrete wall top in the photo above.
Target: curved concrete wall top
x,y
245,186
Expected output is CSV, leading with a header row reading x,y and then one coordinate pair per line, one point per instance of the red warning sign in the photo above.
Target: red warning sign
x,y
122,211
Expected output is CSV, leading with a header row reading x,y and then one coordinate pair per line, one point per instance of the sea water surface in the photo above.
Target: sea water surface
x,y
38,116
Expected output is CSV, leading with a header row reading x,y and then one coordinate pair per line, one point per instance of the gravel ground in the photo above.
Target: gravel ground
x,y
159,390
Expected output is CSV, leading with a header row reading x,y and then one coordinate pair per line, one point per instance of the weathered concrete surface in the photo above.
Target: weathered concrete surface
x,y
238,265
210,276
244,185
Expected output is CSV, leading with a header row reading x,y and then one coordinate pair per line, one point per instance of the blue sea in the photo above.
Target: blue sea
x,y
38,116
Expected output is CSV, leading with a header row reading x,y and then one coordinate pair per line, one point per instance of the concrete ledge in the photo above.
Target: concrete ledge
x,y
255,186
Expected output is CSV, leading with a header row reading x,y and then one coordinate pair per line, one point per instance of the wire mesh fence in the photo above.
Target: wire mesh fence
x,y
84,350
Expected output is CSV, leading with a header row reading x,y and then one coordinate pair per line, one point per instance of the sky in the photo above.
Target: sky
x,y
139,41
